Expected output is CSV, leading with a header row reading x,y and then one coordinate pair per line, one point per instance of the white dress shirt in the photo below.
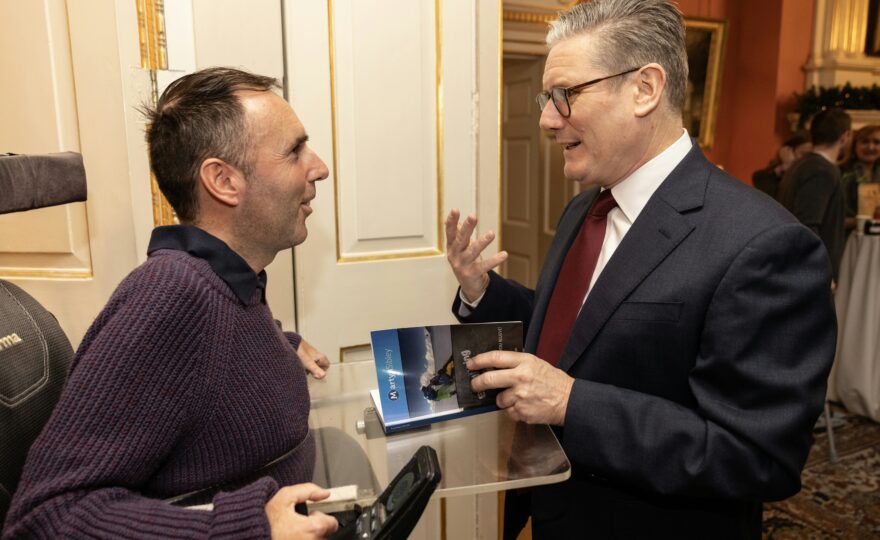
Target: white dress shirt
x,y
632,194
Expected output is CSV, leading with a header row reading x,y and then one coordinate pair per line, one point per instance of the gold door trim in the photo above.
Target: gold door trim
x,y
351,348
151,34
46,274
154,56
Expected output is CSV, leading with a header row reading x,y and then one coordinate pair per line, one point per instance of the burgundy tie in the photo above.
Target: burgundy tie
x,y
574,278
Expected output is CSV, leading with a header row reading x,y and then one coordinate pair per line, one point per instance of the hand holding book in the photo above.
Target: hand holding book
x,y
422,371
534,391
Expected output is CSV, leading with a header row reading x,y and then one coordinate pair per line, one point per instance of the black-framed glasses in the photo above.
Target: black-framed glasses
x,y
559,95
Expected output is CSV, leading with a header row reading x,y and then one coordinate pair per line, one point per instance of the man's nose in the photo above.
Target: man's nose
x,y
319,170
550,117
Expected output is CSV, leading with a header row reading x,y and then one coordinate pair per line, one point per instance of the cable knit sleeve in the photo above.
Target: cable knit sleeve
x,y
138,385
294,339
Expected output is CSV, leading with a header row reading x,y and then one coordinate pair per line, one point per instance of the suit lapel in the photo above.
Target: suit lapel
x,y
659,228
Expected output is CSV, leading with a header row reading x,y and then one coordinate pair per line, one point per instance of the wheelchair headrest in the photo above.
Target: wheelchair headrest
x,y
36,181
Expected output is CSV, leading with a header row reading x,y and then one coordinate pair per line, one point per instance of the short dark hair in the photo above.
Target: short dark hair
x,y
796,139
632,33
199,117
829,125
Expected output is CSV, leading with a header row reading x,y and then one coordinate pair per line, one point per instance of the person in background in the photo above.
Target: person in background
x,y
860,168
794,148
681,332
812,189
185,387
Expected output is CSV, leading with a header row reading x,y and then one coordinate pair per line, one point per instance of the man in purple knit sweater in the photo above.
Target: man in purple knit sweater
x,y
185,383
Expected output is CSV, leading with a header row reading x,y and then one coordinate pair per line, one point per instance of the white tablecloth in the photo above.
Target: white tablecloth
x,y
855,378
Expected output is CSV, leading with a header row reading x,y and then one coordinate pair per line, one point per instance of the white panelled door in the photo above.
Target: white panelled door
x,y
400,98
391,93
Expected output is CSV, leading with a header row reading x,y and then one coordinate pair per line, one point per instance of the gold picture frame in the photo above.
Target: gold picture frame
x,y
706,40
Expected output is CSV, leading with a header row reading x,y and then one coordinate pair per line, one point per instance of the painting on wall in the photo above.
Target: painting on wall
x,y
705,40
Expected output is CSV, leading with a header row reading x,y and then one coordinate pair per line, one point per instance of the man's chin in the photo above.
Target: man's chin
x,y
580,178
300,237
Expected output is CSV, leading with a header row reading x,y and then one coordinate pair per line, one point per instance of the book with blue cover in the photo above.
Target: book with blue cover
x,y
421,372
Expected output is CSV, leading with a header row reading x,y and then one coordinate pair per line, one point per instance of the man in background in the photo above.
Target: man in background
x,y
681,331
794,148
185,385
812,190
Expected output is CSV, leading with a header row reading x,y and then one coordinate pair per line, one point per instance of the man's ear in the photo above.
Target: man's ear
x,y
221,181
651,81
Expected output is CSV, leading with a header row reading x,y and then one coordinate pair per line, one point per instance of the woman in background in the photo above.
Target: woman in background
x,y
860,168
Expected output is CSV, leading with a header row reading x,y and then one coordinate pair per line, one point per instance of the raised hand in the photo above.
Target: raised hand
x,y
465,256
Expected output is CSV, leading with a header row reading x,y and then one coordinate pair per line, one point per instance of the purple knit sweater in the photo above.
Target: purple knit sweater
x,y
177,386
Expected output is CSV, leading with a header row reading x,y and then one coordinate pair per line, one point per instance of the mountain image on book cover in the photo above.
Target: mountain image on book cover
x,y
422,374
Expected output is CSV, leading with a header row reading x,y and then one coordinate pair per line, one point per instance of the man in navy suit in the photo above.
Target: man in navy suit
x,y
693,365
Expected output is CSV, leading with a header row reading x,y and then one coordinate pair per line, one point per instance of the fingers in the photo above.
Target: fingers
x,y
321,364
313,368
465,256
466,230
494,379
452,227
285,522
323,525
458,238
493,261
497,360
505,399
504,372
313,360
477,246
507,402
322,360
302,492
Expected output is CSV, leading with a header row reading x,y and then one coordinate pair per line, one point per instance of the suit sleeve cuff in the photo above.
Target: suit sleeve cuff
x,y
466,308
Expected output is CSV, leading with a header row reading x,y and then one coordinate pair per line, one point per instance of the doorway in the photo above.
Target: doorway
x,y
534,190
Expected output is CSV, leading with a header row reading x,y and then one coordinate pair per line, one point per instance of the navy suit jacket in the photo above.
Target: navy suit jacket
x,y
700,361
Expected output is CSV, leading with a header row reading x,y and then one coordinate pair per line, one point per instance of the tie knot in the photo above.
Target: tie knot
x,y
603,204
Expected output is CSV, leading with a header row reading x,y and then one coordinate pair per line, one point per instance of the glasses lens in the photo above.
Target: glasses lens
x,y
561,101
542,100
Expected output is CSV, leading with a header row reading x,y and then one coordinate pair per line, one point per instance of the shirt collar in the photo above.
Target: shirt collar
x,y
225,262
634,191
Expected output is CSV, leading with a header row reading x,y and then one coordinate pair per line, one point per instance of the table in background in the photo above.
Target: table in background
x,y
478,454
855,377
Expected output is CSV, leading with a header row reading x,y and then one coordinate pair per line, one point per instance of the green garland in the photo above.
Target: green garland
x,y
844,97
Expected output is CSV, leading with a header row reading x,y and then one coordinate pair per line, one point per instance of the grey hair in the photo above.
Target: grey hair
x,y
631,33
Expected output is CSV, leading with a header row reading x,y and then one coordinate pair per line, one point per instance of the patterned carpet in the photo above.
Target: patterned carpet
x,y
838,501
